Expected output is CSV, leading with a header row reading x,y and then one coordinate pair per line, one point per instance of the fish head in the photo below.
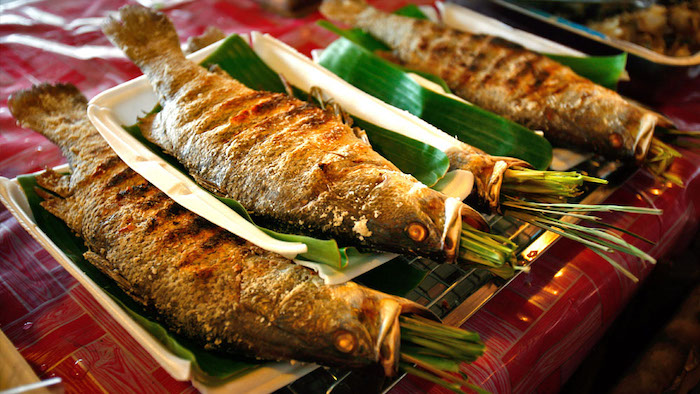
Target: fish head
x,y
420,220
368,328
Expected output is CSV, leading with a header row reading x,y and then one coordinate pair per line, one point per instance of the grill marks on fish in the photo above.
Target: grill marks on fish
x,y
201,281
511,81
296,166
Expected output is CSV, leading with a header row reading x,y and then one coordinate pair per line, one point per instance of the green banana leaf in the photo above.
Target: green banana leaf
x,y
603,70
365,40
423,161
411,11
470,124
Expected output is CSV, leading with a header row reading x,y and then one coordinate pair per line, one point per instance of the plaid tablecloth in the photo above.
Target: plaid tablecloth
x,y
537,330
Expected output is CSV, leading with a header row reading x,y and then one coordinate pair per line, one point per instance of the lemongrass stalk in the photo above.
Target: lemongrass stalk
x,y
602,238
433,351
566,234
617,266
553,212
625,248
544,185
440,373
620,229
565,207
421,324
597,245
659,159
487,249
455,387
601,235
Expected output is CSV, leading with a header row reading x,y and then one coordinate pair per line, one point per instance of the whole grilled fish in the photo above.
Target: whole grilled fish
x,y
202,281
507,79
287,161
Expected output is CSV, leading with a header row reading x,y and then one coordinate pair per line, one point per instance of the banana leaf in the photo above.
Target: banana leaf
x,y
411,11
365,40
603,70
423,161
470,124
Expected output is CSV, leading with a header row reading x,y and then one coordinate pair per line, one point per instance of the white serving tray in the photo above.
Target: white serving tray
x,y
266,378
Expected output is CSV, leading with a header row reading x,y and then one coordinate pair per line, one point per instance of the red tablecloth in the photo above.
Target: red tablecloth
x,y
537,330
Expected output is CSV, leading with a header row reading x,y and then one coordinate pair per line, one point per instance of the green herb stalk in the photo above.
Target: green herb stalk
x,y
434,351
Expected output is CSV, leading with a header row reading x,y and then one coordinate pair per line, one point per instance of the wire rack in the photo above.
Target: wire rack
x,y
454,292
445,290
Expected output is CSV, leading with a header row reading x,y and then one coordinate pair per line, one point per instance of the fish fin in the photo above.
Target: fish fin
x,y
216,69
143,34
209,185
55,182
211,35
44,106
110,270
344,11
146,126
59,207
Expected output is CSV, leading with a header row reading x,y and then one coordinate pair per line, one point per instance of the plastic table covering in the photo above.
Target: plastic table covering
x,y
537,330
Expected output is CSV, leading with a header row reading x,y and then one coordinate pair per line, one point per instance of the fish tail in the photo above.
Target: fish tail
x,y
345,11
59,113
43,106
143,34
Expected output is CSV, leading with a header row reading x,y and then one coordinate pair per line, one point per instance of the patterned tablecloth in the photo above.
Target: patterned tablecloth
x,y
537,330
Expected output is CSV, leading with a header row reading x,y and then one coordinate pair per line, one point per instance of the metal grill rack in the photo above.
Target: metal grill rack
x,y
455,293
451,291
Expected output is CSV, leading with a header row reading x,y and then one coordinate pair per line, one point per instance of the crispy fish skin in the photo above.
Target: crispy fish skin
x,y
285,160
202,281
507,79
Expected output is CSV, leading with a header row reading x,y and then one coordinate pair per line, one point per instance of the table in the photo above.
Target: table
x,y
537,330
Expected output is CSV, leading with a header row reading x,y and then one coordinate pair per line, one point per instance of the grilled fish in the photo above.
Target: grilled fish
x,y
507,79
287,161
202,281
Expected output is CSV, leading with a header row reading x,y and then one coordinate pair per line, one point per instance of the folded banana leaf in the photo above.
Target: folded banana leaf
x,y
423,161
470,124
603,70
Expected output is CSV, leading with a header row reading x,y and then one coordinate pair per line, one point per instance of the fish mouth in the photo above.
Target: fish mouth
x,y
492,193
644,135
457,213
388,345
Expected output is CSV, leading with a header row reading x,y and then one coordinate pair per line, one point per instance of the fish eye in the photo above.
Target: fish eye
x,y
615,140
417,231
344,341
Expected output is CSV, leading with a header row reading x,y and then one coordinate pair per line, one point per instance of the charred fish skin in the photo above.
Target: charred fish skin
x,y
282,158
202,281
507,79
